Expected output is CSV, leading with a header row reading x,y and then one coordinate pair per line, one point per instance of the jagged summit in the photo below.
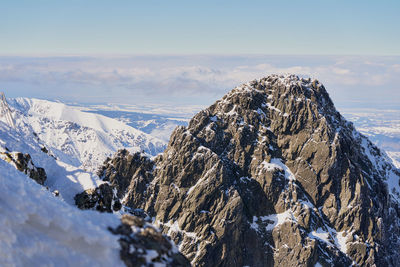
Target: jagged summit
x,y
270,175
283,95
289,85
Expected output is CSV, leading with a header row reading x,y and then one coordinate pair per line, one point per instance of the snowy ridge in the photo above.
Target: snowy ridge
x,y
79,138
76,142
67,179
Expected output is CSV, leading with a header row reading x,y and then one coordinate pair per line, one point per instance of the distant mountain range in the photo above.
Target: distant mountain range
x,y
157,125
381,126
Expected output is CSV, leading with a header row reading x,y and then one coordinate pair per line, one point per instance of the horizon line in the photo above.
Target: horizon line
x,y
66,55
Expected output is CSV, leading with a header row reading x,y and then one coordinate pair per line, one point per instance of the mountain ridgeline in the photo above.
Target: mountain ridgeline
x,y
270,175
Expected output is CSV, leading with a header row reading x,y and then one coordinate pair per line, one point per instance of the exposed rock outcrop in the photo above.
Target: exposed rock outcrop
x,y
143,245
101,198
24,163
119,171
270,175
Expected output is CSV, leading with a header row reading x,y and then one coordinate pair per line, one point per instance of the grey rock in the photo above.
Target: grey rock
x,y
24,163
143,245
101,198
270,175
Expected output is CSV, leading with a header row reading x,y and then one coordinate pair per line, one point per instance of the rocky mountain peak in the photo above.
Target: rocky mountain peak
x,y
277,87
281,94
282,117
271,174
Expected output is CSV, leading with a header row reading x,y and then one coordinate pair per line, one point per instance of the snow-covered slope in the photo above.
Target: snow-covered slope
x,y
67,179
381,126
38,229
79,138
68,143
158,125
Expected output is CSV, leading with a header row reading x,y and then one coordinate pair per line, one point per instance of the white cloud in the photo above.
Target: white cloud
x,y
191,77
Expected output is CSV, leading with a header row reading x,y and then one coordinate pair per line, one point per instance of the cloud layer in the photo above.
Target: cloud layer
x,y
193,79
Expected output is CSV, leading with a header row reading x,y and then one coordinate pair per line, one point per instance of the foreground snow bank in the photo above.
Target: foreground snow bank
x,y
36,228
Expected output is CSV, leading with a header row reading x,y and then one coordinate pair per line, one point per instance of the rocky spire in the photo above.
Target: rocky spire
x,y
270,175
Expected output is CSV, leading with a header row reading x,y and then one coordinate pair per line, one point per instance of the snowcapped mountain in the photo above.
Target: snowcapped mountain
x,y
269,175
62,176
80,139
67,143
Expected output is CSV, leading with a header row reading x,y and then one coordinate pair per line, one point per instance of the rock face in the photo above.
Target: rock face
x,y
101,198
142,245
270,175
24,163
119,171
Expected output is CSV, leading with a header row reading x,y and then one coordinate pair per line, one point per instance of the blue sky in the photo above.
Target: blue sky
x,y
200,27
193,52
